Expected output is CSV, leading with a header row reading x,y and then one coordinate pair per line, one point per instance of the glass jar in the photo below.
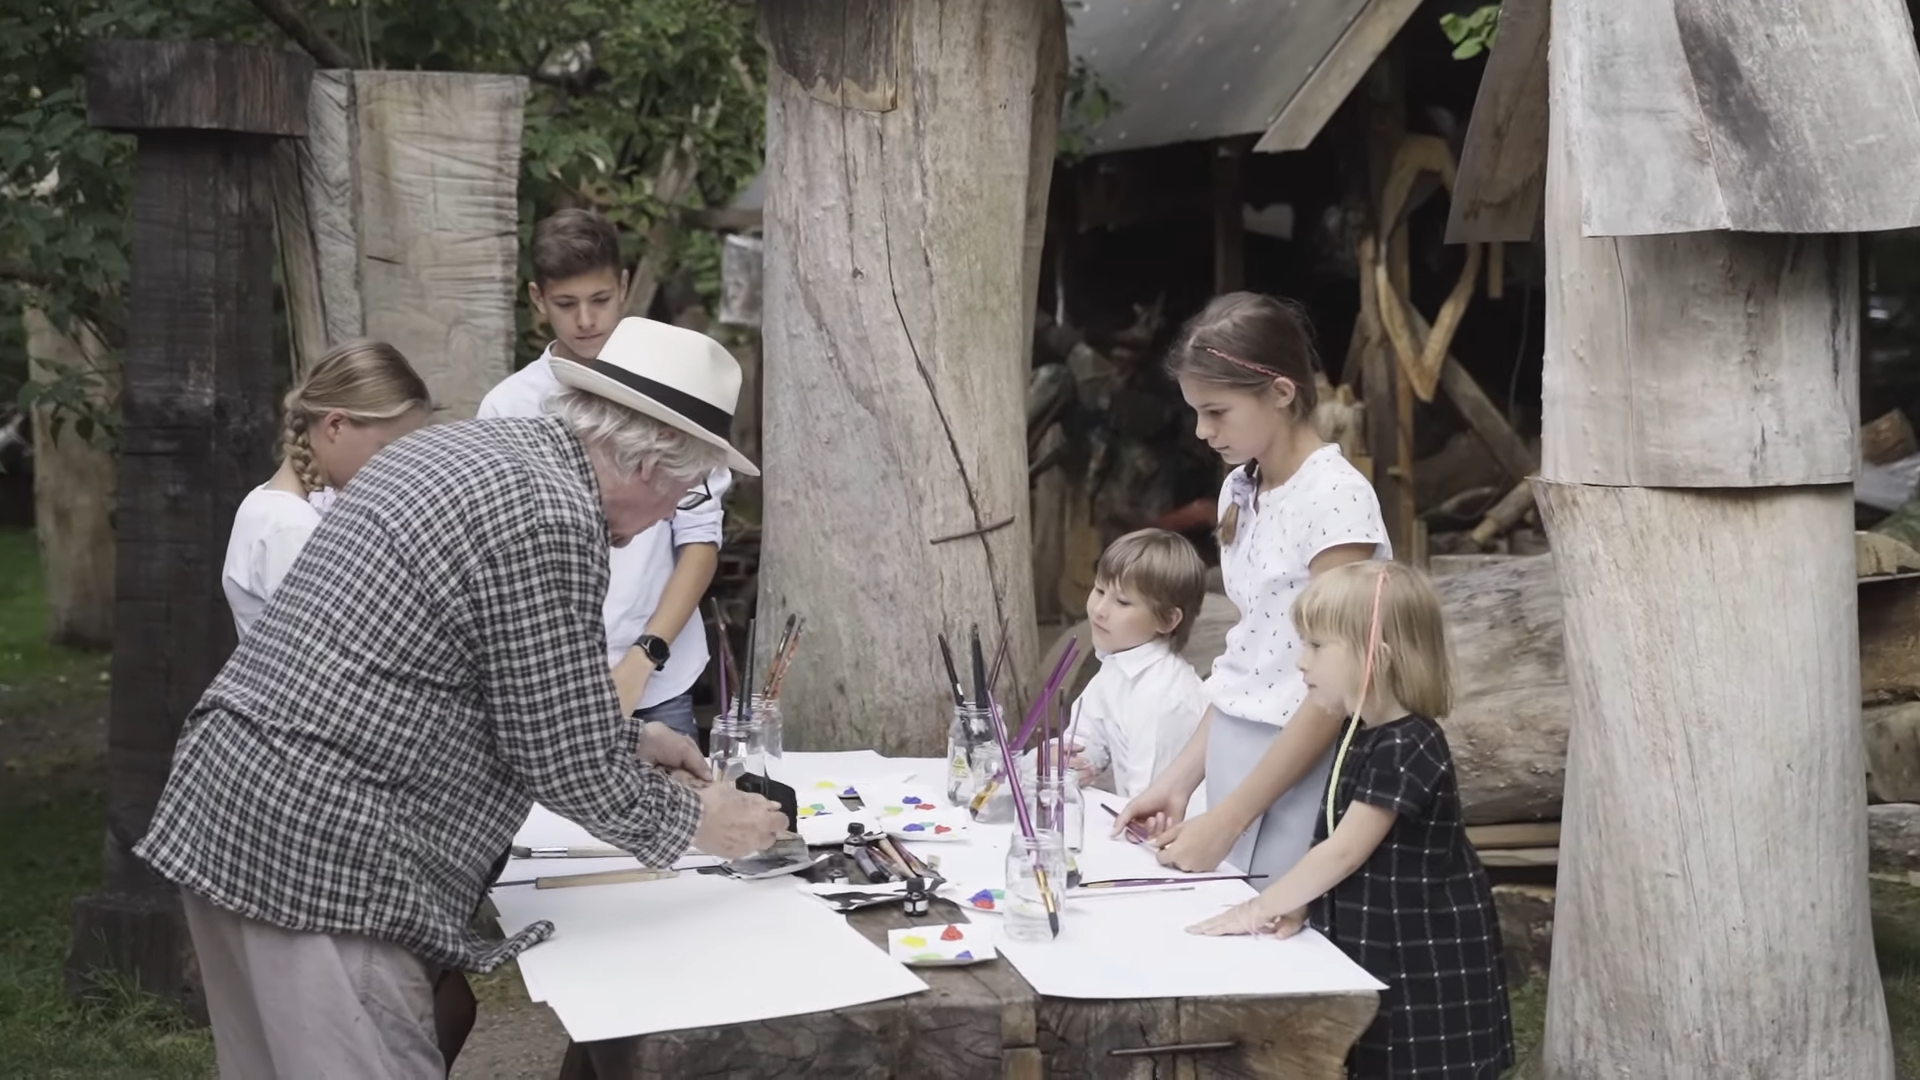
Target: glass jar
x,y
992,802
1036,886
766,717
967,732
738,745
1058,804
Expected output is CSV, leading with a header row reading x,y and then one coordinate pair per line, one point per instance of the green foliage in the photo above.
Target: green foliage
x,y
1085,105
1472,33
618,85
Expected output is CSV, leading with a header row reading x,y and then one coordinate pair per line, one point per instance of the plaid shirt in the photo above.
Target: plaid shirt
x,y
432,663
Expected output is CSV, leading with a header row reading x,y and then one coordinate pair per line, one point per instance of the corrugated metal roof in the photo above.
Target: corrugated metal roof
x,y
1200,69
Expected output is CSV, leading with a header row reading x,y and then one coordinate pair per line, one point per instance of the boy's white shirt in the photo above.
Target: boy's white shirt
x,y
636,574
1137,713
269,529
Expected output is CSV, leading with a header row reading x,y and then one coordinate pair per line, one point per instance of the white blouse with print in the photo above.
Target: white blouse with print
x,y
1325,504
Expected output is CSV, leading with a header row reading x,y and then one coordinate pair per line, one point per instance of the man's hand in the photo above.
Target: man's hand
x,y
734,823
662,746
1199,845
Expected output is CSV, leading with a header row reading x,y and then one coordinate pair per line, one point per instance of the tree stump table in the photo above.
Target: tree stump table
x,y
984,1020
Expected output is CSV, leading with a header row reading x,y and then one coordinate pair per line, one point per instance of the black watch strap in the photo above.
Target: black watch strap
x,y
656,649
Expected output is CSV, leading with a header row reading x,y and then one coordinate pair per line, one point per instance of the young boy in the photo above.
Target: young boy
x,y
656,642
1143,705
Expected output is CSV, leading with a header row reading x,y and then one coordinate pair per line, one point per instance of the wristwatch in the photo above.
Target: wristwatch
x,y
656,649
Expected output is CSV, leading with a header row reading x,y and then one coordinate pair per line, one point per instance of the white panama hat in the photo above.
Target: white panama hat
x,y
680,377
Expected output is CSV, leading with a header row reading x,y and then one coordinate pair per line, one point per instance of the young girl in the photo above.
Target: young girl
x,y
353,402
1392,879
1293,509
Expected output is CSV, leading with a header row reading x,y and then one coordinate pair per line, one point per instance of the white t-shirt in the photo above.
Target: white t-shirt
x,y
1136,714
1325,504
636,574
269,530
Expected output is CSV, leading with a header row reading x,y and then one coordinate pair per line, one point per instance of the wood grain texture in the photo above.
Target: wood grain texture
x,y
1716,742
1704,360
901,254
1332,77
1775,116
136,86
315,214
1306,1037
399,221
1893,837
1503,164
844,53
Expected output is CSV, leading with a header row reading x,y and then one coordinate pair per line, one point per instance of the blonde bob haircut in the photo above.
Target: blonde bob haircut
x,y
1337,606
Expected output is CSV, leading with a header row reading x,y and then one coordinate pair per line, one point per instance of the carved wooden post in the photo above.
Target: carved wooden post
x,y
909,148
1701,409
198,425
398,219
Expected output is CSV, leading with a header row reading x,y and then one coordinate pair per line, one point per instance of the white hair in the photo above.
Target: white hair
x,y
630,440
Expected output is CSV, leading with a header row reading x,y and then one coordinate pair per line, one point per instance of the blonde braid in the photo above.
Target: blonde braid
x,y
297,448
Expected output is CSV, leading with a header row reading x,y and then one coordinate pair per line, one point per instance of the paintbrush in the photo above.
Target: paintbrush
x,y
607,877
999,657
1054,681
979,668
746,678
1146,882
786,661
1135,832
953,676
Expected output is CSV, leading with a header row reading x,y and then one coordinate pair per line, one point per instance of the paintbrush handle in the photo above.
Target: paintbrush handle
x,y
607,877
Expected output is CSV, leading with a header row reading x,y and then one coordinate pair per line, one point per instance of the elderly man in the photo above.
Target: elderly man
x,y
433,663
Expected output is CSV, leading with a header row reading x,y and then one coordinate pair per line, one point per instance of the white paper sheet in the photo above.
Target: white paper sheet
x,y
655,956
845,765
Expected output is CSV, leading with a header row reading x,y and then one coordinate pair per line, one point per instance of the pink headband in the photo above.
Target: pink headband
x,y
1257,369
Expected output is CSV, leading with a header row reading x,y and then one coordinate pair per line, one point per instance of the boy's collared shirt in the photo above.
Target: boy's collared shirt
x,y
1137,713
636,574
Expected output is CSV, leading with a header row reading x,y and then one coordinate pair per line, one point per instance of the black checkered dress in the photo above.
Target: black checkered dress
x,y
433,662
1418,914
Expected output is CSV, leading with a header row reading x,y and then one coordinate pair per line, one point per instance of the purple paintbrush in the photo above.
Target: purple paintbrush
x,y
1053,683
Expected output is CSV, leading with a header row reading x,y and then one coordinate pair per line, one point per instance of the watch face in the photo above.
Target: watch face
x,y
656,649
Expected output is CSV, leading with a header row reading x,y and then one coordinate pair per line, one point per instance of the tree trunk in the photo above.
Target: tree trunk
x,y
398,219
909,152
73,490
1700,418
197,431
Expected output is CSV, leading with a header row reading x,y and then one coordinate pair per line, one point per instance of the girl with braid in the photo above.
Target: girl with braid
x,y
353,402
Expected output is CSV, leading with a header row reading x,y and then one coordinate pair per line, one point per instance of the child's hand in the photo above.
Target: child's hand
x,y
1155,810
1253,917
1083,769
1199,845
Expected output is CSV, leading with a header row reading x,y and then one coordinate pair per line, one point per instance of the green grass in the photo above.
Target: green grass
x,y
53,854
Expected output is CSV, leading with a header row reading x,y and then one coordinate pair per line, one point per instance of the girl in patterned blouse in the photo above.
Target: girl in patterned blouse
x,y
1392,879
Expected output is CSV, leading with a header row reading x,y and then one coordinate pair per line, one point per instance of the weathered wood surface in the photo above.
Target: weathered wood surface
x,y
1330,79
144,86
398,220
1632,403
1710,614
1693,115
984,1020
73,488
1893,752
902,251
197,432
1893,836
1503,164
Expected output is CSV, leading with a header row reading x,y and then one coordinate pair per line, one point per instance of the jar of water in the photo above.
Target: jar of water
x,y
968,732
1036,886
738,745
1058,804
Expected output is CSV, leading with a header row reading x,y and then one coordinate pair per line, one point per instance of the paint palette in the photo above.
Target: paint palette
x,y
911,813
948,945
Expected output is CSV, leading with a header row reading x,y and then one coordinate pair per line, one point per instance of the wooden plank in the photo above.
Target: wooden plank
x,y
1334,75
901,329
1691,115
316,213
1528,834
1520,858
1634,400
1306,1037
436,171
73,485
1503,164
138,86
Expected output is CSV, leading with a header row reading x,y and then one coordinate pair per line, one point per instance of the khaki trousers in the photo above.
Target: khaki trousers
x,y
288,1005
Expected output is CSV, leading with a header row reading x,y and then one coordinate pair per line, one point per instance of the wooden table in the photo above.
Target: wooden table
x,y
984,1020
